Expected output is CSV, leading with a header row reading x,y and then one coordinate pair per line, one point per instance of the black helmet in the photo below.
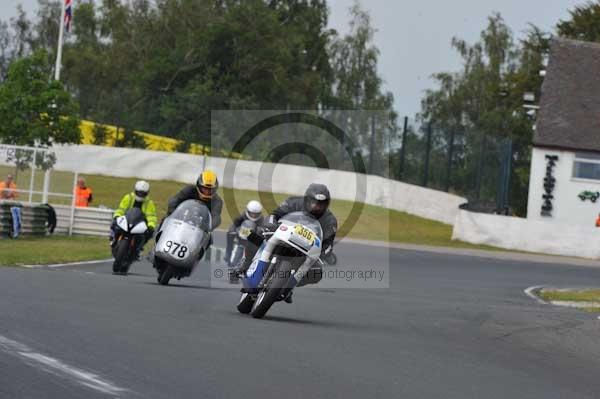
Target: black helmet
x,y
316,199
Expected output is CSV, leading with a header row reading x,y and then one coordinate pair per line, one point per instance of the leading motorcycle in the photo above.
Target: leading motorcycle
x,y
280,263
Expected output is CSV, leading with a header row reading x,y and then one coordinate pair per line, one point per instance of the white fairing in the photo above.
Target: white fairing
x,y
181,243
139,228
122,223
286,235
185,235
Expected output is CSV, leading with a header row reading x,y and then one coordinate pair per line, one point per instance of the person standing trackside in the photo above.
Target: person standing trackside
x,y
83,194
8,188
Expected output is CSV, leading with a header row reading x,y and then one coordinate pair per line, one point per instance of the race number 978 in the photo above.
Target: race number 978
x,y
175,249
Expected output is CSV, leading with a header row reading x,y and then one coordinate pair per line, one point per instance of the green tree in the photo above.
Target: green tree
x,y
23,36
358,85
128,138
163,65
479,107
35,110
584,23
100,133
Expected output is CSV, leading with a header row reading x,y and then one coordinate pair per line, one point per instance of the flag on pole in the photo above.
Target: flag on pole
x,y
68,15
65,25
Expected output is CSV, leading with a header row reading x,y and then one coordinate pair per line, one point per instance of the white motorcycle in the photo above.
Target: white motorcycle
x,y
182,240
280,263
240,242
131,229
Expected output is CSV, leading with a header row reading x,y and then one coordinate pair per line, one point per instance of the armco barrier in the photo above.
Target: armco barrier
x,y
527,235
282,178
86,221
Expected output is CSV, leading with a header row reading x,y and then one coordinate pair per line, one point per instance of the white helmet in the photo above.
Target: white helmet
x,y
141,190
254,210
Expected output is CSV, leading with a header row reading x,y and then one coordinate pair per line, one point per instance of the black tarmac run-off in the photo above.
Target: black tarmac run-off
x,y
448,327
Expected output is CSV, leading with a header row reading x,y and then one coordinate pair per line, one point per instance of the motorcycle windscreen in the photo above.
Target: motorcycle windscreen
x,y
307,230
134,217
194,213
180,244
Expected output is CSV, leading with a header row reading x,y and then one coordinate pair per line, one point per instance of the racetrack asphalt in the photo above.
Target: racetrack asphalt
x,y
448,326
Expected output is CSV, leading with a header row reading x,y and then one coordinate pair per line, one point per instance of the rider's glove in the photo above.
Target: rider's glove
x,y
270,227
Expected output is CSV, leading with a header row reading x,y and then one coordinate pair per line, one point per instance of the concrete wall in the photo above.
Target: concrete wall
x,y
250,175
548,237
567,207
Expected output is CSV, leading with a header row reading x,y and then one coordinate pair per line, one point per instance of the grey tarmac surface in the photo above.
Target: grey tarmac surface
x,y
449,326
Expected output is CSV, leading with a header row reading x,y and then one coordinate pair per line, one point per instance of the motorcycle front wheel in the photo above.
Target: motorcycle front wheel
x,y
245,304
270,293
121,254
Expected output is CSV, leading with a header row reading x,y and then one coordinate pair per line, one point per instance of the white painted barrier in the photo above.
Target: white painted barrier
x,y
251,175
86,221
527,235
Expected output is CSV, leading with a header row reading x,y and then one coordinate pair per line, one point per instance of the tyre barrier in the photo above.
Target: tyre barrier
x,y
34,219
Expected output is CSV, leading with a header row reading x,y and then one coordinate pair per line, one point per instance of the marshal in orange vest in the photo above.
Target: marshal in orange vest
x,y
83,194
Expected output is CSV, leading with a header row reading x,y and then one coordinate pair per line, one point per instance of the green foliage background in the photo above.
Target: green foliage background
x,y
163,65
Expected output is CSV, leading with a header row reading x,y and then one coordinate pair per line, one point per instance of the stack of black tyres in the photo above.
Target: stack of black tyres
x,y
34,219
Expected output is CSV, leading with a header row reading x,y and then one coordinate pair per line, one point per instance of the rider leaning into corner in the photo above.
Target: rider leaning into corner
x,y
315,202
205,190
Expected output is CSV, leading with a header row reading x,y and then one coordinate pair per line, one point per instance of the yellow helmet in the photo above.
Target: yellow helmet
x,y
207,184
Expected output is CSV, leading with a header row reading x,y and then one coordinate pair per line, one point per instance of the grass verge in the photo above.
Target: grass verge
x,y
571,296
52,249
588,299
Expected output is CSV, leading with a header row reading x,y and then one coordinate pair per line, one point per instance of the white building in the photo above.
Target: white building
x,y
564,183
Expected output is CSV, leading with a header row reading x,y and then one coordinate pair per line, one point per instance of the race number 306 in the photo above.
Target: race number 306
x,y
175,249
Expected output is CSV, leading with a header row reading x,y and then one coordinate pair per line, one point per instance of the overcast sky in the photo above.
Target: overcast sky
x,y
414,35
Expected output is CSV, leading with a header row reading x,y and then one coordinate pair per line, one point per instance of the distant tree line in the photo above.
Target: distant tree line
x,y
479,108
161,66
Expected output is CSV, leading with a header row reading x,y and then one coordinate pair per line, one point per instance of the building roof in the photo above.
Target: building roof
x,y
569,116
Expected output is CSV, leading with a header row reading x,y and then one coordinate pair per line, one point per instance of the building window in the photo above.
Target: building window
x,y
586,166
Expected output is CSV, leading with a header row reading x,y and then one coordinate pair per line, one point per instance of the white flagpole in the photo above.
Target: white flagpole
x,y
61,32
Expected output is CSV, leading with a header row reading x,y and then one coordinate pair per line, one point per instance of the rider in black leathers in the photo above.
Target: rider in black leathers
x,y
315,202
204,190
